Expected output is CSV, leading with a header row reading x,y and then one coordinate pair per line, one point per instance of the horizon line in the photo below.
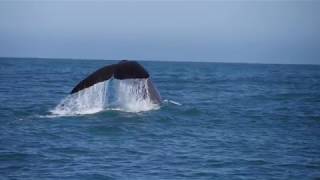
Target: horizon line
x,y
154,60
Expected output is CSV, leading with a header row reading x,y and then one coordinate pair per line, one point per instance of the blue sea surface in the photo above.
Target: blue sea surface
x,y
235,121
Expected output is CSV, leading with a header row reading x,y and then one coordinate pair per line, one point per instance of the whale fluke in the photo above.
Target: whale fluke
x,y
129,70
123,70
100,75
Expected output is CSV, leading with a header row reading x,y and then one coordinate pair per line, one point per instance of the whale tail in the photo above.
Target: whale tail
x,y
123,70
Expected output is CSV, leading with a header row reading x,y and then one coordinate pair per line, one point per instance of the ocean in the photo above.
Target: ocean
x,y
217,121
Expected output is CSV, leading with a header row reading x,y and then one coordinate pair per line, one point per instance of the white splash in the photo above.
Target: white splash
x,y
172,102
133,95
130,95
88,101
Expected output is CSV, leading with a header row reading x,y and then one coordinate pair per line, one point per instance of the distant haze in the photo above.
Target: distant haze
x,y
217,31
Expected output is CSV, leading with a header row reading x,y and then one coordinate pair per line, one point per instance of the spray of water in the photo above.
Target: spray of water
x,y
133,95
129,95
87,101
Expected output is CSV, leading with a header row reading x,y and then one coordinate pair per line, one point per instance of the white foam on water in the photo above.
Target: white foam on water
x,y
130,95
172,102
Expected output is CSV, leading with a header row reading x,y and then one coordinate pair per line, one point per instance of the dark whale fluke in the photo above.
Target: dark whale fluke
x,y
123,70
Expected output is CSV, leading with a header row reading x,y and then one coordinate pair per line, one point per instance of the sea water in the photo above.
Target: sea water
x,y
217,121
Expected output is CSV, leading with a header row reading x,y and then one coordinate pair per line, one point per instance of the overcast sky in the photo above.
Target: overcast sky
x,y
218,31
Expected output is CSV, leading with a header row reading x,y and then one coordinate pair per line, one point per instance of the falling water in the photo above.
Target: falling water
x,y
130,95
87,101
133,95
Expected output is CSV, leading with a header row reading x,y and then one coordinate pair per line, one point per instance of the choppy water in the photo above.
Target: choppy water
x,y
219,121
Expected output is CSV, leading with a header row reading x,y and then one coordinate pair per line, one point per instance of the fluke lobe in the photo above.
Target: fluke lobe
x,y
123,70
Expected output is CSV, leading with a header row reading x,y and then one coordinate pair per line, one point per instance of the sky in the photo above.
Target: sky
x,y
217,31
